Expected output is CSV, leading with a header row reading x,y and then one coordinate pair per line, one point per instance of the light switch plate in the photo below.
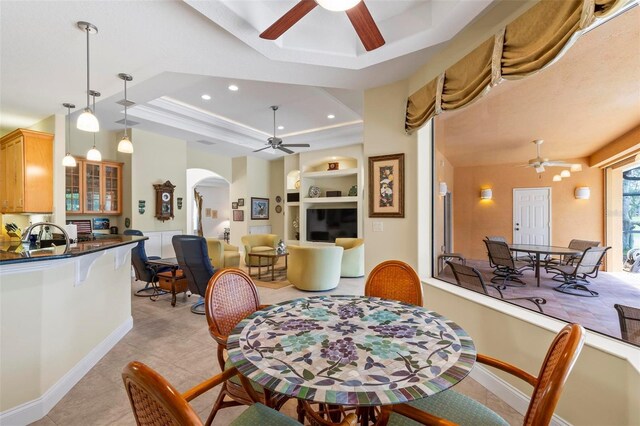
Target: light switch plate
x,y
377,226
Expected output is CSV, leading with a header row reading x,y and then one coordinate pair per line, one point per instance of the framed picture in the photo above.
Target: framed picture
x,y
234,205
238,215
240,202
259,208
386,186
100,223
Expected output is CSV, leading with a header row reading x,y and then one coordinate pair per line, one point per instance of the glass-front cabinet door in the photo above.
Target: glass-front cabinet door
x,y
72,201
92,187
111,193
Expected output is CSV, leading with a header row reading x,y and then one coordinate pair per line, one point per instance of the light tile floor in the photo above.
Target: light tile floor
x,y
177,344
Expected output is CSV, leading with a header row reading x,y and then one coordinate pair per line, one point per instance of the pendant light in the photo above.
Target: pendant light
x,y
87,121
338,5
68,160
93,154
125,144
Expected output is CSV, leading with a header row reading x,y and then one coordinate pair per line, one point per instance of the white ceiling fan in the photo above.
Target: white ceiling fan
x,y
276,143
539,163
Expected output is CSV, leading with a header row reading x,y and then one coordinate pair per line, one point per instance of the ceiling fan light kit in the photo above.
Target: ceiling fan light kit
x,y
356,11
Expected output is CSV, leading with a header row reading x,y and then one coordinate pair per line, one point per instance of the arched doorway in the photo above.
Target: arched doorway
x,y
216,206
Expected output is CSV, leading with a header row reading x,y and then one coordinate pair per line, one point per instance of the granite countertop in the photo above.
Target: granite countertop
x,y
15,252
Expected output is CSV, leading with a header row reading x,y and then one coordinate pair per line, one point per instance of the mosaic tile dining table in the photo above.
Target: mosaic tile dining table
x,y
351,350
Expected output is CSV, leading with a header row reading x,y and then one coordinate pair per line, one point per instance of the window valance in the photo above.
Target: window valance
x,y
528,44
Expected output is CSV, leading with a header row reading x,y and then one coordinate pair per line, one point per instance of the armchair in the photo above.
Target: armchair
x,y
223,255
142,270
193,258
314,268
352,257
255,243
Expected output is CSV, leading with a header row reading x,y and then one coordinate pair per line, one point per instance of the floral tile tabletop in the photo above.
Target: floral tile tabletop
x,y
353,350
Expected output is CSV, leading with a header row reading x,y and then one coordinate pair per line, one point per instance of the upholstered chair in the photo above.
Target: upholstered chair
x,y
352,258
223,255
314,268
256,243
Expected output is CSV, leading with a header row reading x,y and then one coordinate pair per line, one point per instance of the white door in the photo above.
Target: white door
x,y
532,216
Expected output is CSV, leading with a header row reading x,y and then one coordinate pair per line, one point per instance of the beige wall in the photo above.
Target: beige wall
x,y
474,218
199,159
47,325
156,159
384,109
276,180
239,189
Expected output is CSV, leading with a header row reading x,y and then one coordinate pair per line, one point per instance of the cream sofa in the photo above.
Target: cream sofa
x,y
256,243
314,268
223,255
352,258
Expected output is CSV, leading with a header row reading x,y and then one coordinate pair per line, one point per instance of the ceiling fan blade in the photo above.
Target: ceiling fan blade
x,y
299,145
287,20
365,26
288,151
262,149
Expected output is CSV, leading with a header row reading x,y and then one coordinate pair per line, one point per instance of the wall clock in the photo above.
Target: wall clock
x,y
164,200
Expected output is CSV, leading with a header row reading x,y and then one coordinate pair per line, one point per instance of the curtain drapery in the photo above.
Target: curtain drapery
x,y
527,45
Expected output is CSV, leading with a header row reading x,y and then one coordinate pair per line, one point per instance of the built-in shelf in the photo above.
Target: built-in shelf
x,y
331,200
293,204
331,173
292,191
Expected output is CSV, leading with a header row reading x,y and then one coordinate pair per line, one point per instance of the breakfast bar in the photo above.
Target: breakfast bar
x,y
60,312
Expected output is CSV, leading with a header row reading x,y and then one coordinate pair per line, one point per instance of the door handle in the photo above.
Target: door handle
x,y
517,229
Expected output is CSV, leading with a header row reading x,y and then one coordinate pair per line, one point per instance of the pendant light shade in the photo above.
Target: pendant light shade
x,y
565,173
87,121
337,5
68,160
94,155
125,146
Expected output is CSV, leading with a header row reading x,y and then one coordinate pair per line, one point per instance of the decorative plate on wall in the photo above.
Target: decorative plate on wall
x,y
314,192
278,198
278,209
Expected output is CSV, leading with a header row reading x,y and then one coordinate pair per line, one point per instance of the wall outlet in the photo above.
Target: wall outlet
x,y
377,226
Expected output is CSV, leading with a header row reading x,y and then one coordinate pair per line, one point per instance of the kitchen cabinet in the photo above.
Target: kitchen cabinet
x,y
26,184
94,187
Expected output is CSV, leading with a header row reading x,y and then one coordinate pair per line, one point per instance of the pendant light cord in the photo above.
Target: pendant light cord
x,y
125,107
94,111
88,64
68,128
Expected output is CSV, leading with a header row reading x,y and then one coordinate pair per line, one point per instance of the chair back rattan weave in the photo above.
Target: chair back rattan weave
x,y
629,323
393,279
557,365
153,400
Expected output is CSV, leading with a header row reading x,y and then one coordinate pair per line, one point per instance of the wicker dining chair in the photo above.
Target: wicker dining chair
x,y
393,279
506,268
471,278
231,296
629,323
155,402
450,407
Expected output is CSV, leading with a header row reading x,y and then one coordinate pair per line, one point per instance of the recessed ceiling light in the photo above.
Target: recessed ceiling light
x,y
331,116
233,87
206,97
280,127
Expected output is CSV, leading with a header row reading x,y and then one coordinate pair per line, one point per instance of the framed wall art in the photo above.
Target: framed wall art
x,y
238,215
234,205
240,202
259,208
386,186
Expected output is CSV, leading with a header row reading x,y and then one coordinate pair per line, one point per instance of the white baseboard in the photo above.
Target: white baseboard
x,y
511,395
36,409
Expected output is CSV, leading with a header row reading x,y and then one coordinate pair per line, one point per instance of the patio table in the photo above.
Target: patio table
x,y
539,249
351,350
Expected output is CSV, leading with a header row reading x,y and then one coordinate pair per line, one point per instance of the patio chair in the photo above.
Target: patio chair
x,y
574,244
525,257
575,276
629,323
155,401
506,268
393,279
450,407
471,278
